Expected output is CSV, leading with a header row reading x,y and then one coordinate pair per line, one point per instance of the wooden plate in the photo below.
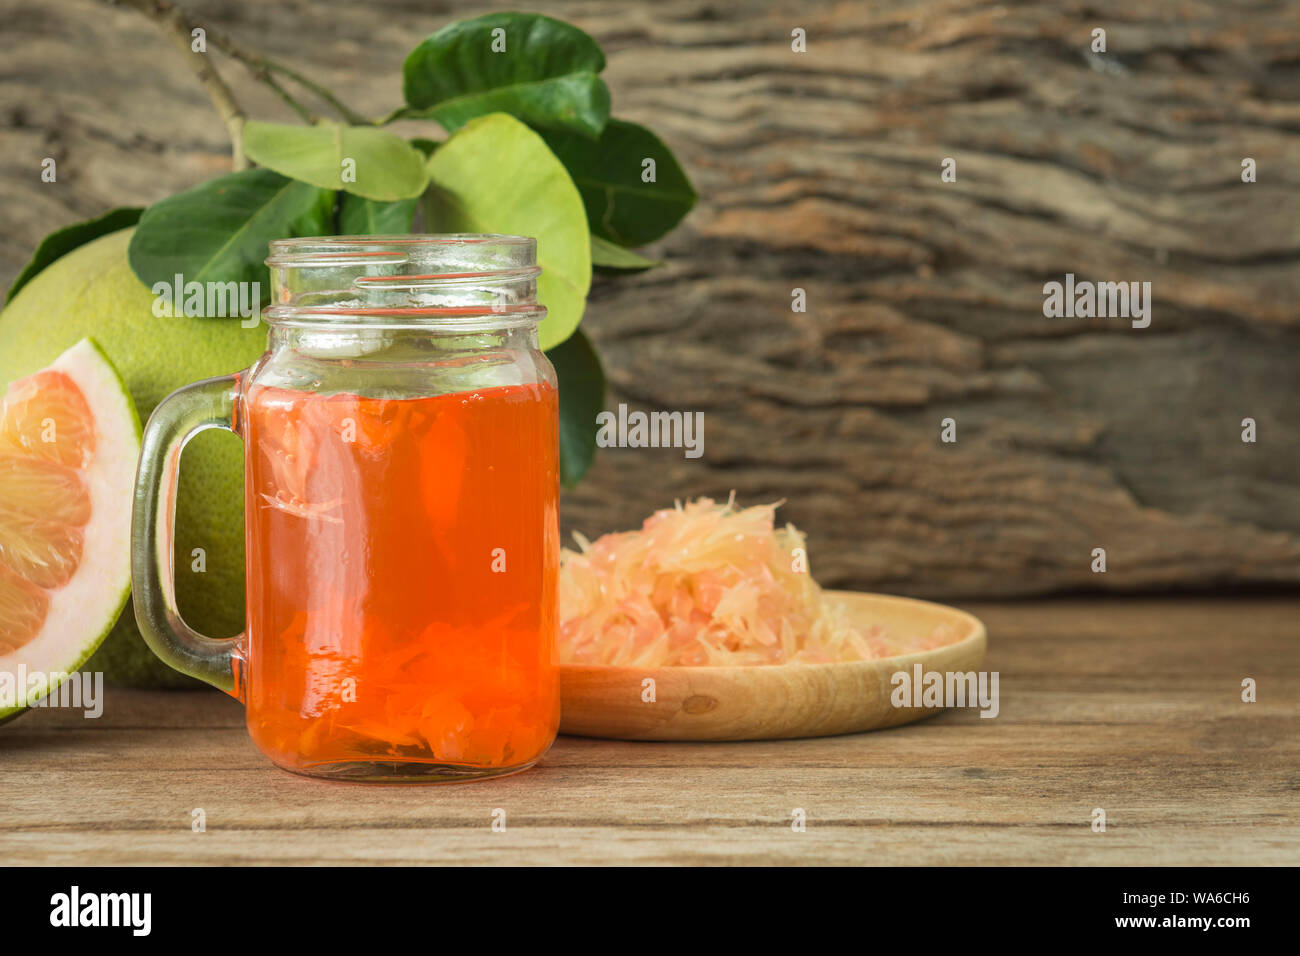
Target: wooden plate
x,y
769,702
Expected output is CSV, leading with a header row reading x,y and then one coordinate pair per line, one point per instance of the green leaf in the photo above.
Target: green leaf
x,y
363,160
62,241
621,205
546,75
218,231
609,257
426,146
365,217
582,398
496,175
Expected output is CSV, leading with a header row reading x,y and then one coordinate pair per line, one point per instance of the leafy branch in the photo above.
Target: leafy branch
x,y
531,150
264,68
179,27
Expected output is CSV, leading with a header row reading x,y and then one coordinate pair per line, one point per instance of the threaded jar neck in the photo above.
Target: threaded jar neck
x,y
460,282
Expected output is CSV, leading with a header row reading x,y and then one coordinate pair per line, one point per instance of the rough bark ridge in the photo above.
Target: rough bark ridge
x,y
821,171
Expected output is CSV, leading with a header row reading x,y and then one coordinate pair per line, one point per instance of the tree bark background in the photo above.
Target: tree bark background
x,y
821,171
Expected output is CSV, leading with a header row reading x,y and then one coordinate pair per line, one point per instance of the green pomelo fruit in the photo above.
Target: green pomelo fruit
x,y
81,611
93,292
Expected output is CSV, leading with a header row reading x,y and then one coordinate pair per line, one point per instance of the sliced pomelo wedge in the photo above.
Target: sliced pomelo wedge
x,y
69,439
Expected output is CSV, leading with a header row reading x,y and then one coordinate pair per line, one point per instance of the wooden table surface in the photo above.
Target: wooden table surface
x,y
1130,705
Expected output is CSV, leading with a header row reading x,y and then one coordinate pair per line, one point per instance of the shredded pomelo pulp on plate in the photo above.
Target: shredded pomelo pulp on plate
x,y
706,584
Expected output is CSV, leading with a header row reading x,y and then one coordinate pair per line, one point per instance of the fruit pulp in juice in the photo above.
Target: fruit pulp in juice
x,y
402,560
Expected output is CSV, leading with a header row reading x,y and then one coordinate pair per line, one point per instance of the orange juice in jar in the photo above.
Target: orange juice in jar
x,y
401,503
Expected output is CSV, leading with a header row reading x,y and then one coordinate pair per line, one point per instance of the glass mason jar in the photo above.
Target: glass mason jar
x,y
401,510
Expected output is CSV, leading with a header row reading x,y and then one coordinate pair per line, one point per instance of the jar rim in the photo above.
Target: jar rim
x,y
448,280
302,251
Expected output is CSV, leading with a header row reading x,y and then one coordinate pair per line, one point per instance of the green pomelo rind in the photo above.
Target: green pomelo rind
x,y
92,291
116,422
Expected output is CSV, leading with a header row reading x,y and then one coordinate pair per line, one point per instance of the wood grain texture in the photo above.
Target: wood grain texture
x,y
1130,705
821,171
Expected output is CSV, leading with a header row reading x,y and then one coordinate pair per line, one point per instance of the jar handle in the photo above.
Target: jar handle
x,y
178,418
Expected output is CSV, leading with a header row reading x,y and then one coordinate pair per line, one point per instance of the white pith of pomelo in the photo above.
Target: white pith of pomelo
x,y
82,611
